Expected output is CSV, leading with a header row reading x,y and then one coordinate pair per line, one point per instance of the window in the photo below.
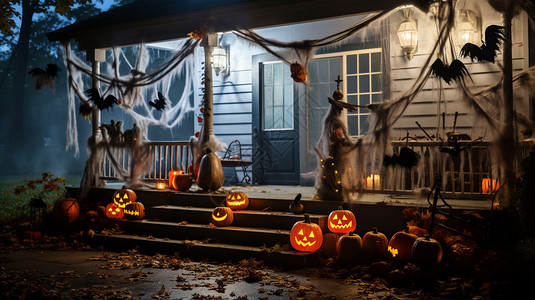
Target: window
x,y
278,98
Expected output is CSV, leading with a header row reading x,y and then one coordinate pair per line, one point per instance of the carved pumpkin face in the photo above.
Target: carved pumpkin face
x,y
222,216
400,244
237,200
134,211
342,221
124,196
113,211
306,236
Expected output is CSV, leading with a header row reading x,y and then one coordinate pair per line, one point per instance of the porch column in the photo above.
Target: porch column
x,y
209,41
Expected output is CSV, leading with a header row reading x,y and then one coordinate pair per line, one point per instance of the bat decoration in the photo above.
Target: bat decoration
x,y
85,109
456,148
456,70
407,158
101,103
45,78
487,52
159,103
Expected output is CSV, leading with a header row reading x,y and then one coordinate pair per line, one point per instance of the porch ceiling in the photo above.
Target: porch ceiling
x,y
159,20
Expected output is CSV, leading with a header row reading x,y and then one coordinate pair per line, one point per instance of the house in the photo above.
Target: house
x,y
279,121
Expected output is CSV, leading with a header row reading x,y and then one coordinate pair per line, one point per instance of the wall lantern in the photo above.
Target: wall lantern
x,y
468,27
408,34
220,60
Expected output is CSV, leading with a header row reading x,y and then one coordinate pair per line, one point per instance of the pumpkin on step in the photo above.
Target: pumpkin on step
x,y
349,248
400,244
342,221
306,236
427,251
134,211
211,176
374,243
222,216
66,210
182,182
124,196
113,211
237,200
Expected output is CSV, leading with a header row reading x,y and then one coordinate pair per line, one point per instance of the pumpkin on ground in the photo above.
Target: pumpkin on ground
x,y
211,176
66,210
349,248
134,211
427,251
124,196
341,221
330,242
113,211
306,236
401,243
374,243
237,200
222,216
182,182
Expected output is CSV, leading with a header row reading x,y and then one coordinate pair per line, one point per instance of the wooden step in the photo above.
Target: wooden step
x,y
200,250
243,218
230,234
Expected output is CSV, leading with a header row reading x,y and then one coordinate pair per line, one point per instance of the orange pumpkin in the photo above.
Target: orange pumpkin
x,y
349,248
401,243
134,211
341,221
113,211
330,242
182,182
66,210
427,251
306,236
237,200
222,216
298,73
172,175
374,243
124,196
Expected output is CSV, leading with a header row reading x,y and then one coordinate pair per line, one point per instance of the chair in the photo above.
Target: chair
x,y
233,158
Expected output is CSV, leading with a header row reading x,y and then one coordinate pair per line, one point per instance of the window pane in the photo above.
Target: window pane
x,y
376,62
364,99
268,74
364,125
268,118
278,95
351,64
352,125
288,117
286,74
277,73
278,115
351,84
288,95
364,83
313,71
364,63
268,96
376,98
336,67
352,99
324,70
376,83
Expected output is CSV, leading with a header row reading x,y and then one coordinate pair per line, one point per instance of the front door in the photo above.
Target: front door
x,y
275,119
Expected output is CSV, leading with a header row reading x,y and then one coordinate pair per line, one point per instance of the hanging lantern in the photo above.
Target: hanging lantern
x,y
408,34
467,27
220,61
37,214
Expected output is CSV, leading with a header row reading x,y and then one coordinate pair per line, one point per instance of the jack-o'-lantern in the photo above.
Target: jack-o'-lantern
x,y
134,211
375,243
237,200
401,243
222,216
427,251
124,197
342,221
298,73
113,211
306,236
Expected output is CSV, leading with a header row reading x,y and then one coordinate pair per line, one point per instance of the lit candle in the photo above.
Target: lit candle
x,y
373,182
172,175
160,185
489,185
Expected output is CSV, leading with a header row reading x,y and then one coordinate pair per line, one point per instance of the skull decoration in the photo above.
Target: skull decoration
x,y
113,211
237,200
124,197
342,221
306,236
222,216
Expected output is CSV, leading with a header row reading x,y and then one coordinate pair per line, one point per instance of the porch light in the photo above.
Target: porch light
x,y
408,34
467,27
220,60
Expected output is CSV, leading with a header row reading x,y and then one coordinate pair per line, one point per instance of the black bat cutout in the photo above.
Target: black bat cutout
x,y
487,52
407,158
85,109
159,103
456,70
101,103
45,78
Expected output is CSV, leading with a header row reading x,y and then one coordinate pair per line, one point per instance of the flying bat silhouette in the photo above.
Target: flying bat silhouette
x,y
407,158
456,70
101,103
45,78
487,52
159,103
85,109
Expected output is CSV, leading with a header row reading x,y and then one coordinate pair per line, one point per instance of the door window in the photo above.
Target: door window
x,y
277,90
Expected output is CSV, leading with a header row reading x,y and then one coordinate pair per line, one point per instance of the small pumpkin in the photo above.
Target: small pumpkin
x,y
211,176
330,242
298,73
427,251
338,95
341,221
401,243
172,175
222,216
306,236
113,211
66,210
349,248
124,196
33,235
375,243
296,207
134,211
182,182
237,200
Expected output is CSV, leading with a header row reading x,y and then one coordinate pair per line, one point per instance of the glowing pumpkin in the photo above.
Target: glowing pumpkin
x,y
113,211
401,243
222,216
237,200
306,236
134,211
342,221
66,210
427,251
124,197
172,175
374,243
349,248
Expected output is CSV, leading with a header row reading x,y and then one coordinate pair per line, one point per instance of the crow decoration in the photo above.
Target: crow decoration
x,y
159,103
456,70
45,78
85,109
101,103
487,52
407,158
